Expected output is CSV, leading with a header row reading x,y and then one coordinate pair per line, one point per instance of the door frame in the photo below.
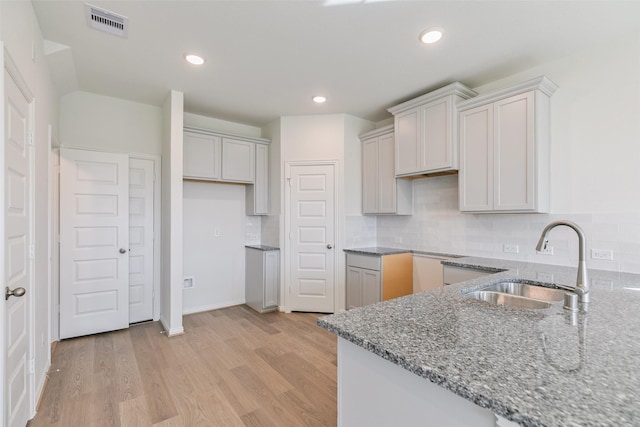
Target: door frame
x,y
157,229
157,237
339,261
9,65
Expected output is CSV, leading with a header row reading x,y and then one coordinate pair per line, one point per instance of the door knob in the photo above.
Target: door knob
x,y
329,246
17,292
123,251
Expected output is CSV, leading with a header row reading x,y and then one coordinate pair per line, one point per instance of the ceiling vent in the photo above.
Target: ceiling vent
x,y
104,20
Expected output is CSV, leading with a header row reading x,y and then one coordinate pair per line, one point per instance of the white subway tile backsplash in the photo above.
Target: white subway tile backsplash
x,y
437,225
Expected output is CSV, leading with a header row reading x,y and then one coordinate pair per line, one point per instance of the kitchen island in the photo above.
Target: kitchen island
x,y
458,361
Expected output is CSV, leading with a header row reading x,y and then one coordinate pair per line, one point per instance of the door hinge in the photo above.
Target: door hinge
x,y
32,366
30,137
32,252
154,176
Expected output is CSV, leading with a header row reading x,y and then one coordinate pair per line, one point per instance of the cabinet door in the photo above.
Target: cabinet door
x,y
238,160
257,200
201,156
371,287
476,159
514,153
408,152
354,287
437,145
370,176
271,279
386,175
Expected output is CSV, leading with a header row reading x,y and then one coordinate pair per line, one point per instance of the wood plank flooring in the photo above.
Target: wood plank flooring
x,y
232,367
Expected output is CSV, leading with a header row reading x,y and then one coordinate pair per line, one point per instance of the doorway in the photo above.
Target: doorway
x,y
310,234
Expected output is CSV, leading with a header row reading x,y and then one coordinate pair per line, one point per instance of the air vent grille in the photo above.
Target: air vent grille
x,y
104,20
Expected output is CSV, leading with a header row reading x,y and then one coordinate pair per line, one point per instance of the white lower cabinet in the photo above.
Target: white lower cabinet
x,y
363,287
262,278
504,149
375,278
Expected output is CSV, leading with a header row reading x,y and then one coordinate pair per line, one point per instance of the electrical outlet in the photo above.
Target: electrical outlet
x,y
511,248
604,254
546,251
397,239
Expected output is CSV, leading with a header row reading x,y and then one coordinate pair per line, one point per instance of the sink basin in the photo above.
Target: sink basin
x,y
527,291
510,300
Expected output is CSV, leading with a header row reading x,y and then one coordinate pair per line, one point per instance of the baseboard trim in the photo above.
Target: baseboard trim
x,y
210,307
171,332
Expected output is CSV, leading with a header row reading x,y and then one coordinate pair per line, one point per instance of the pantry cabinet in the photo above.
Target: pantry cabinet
x,y
426,131
504,149
382,192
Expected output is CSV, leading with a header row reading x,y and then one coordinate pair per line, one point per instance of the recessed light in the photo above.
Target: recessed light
x,y
194,59
430,35
319,99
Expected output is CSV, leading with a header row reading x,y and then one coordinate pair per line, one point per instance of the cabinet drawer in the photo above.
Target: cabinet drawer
x,y
370,262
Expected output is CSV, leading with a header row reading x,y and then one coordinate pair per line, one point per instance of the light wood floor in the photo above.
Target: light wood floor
x,y
232,367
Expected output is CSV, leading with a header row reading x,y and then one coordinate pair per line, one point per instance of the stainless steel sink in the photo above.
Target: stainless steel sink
x,y
517,294
527,291
510,300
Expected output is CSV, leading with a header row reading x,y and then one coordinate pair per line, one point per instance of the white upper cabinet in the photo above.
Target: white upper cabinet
x,y
382,192
238,160
426,131
504,149
257,195
201,156
217,156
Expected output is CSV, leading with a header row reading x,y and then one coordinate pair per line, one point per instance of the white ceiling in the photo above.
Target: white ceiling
x,y
266,59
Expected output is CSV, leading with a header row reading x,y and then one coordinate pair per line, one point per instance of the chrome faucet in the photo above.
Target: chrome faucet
x,y
582,282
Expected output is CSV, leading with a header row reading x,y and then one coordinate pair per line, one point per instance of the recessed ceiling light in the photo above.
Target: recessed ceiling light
x,y
194,59
430,35
319,99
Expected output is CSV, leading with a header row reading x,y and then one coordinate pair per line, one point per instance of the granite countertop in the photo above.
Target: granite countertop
x,y
381,251
534,367
262,247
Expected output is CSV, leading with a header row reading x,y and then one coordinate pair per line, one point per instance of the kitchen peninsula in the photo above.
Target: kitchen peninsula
x,y
442,358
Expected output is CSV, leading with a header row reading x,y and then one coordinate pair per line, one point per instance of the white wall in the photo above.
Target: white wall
x,y
211,123
18,31
99,122
172,215
214,239
595,172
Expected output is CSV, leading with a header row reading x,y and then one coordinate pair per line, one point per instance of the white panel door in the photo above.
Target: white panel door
x,y
140,240
312,235
94,242
16,264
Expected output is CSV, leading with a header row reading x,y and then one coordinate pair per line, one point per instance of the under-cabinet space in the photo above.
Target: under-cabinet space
x,y
427,272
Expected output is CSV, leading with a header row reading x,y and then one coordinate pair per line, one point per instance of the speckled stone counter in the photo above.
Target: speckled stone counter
x,y
263,248
534,367
381,251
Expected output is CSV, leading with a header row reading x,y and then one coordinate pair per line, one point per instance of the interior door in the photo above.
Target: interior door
x,y
16,265
312,237
140,240
94,242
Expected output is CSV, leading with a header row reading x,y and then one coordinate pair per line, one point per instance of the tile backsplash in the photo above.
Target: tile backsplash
x,y
436,225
